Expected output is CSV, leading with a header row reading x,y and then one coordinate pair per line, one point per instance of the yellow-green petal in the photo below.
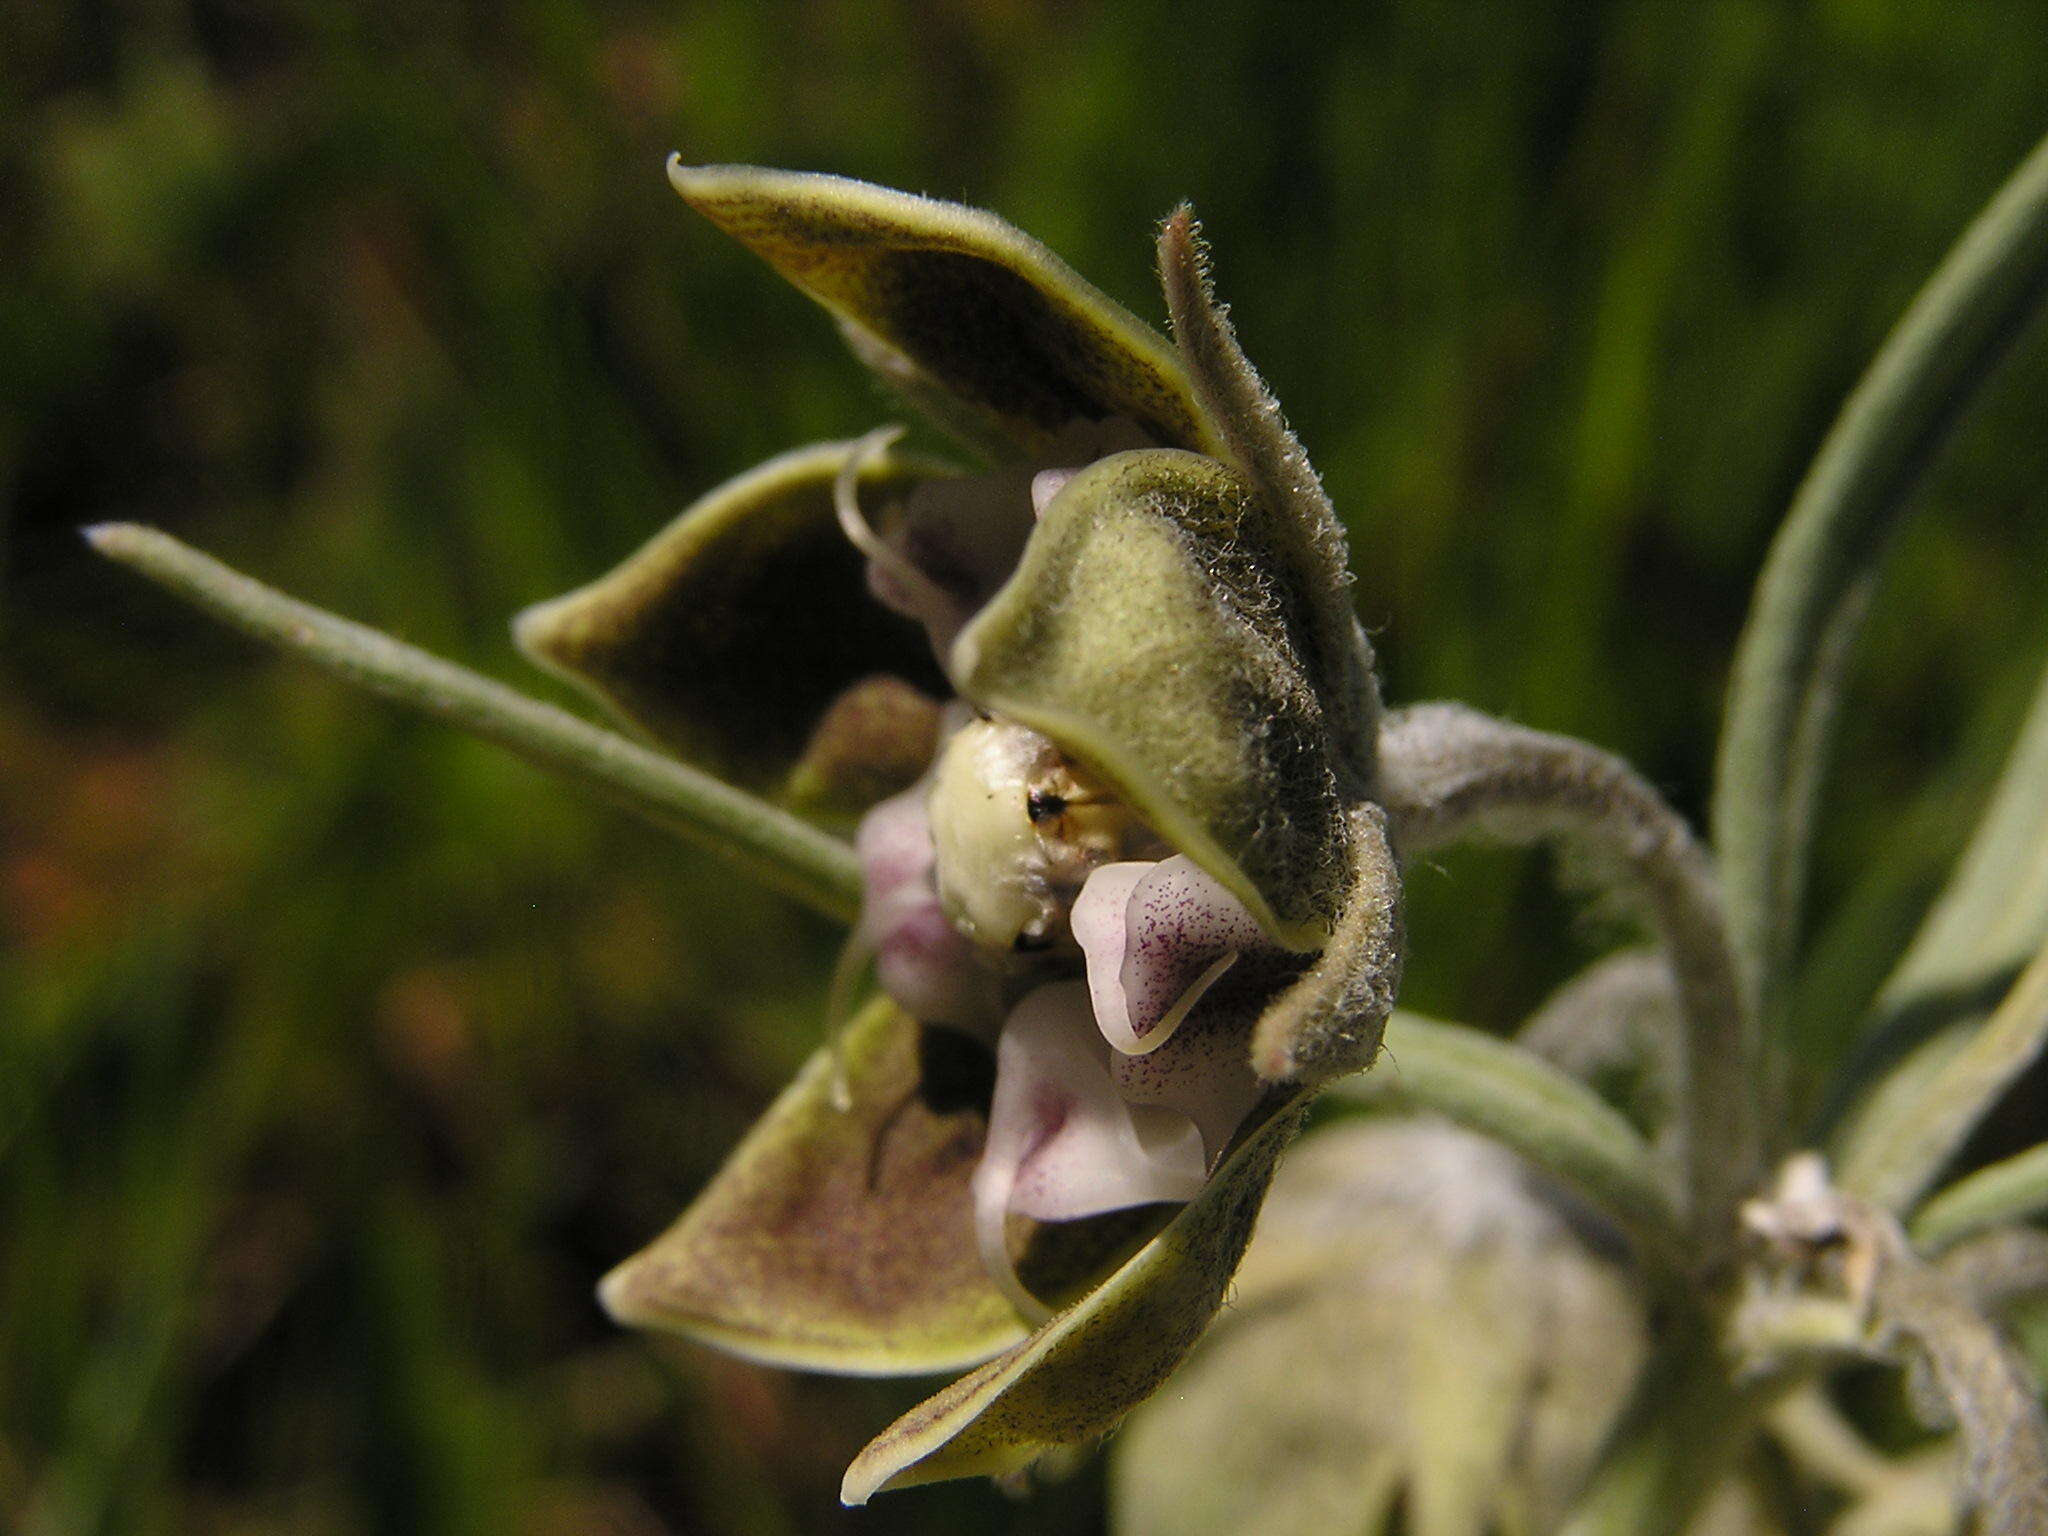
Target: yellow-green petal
x,y
840,1239
730,634
1084,1370
1152,632
967,316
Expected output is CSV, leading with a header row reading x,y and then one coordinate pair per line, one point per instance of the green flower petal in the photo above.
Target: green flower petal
x,y
1083,1371
968,317
875,740
730,634
1330,1022
1151,631
840,1239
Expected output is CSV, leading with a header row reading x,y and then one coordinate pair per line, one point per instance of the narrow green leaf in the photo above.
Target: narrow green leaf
x,y
776,847
1919,1120
1989,920
2013,1190
1499,1090
1776,734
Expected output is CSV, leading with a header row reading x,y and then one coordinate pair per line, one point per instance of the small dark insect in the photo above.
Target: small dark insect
x,y
1043,805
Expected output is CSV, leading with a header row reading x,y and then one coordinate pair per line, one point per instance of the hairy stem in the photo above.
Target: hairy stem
x,y
1687,1426
1448,772
779,849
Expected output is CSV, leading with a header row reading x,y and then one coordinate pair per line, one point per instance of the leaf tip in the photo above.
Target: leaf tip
x,y
537,631
117,541
623,1298
1183,263
690,181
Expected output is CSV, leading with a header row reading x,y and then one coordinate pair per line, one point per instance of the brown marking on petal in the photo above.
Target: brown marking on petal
x,y
836,1240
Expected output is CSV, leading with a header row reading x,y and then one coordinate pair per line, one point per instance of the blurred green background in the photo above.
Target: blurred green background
x,y
340,1056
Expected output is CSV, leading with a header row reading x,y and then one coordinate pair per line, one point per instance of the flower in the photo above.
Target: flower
x,y
1109,726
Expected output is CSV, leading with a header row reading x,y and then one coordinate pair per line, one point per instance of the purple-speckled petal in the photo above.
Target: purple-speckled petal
x,y
1204,1072
1153,935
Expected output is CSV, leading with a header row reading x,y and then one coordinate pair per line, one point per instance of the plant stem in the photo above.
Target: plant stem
x,y
1778,728
1688,1424
782,851
1448,772
1523,1102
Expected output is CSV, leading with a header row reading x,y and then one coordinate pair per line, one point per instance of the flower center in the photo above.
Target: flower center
x,y
1016,830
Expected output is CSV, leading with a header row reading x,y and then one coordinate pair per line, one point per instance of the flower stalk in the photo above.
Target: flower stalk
x,y
775,847
1448,772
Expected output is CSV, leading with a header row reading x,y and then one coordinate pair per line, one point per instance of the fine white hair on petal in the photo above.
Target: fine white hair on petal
x,y
1156,937
1062,1142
